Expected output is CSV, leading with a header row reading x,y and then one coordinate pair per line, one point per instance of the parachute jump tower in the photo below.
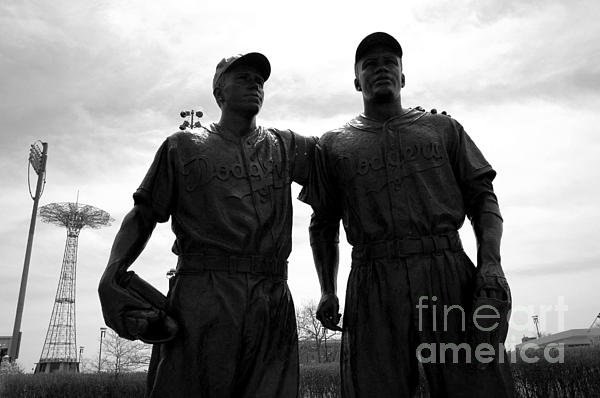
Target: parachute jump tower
x,y
60,347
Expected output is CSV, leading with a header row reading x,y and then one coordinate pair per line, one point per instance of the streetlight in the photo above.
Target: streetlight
x,y
190,123
102,333
80,355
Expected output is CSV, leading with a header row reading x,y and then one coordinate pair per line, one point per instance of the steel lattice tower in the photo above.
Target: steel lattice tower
x,y
60,347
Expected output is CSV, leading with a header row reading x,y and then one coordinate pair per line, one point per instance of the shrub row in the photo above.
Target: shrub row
x,y
323,381
103,385
578,377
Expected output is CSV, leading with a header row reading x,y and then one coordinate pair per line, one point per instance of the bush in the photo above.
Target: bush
x,y
577,377
320,380
61,385
10,368
323,381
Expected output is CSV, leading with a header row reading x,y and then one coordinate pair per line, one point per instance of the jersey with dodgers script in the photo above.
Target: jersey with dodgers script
x,y
227,192
414,175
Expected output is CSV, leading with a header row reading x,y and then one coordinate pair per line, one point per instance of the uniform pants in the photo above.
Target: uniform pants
x,y
238,339
383,328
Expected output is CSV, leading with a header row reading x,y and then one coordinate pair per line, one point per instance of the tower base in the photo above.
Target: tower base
x,y
52,367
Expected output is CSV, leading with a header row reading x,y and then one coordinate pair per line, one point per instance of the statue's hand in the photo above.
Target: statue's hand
x,y
328,312
137,321
150,326
491,282
434,111
491,309
133,308
116,301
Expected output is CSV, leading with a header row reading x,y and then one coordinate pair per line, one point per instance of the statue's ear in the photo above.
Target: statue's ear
x,y
357,85
218,94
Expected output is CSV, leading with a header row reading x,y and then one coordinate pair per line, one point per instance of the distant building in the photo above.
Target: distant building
x,y
568,338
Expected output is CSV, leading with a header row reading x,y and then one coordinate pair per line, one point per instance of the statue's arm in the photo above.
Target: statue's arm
x,y
320,193
135,231
475,175
117,303
324,240
484,213
491,294
488,233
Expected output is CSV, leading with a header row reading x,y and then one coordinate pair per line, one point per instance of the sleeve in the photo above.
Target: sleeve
x,y
322,194
158,189
321,190
301,156
467,160
474,175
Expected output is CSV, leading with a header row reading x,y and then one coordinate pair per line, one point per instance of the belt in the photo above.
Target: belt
x,y
189,264
397,248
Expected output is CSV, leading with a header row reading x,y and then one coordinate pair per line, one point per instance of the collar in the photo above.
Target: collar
x,y
362,122
215,128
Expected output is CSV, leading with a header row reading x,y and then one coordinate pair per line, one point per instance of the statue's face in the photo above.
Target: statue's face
x,y
379,75
242,90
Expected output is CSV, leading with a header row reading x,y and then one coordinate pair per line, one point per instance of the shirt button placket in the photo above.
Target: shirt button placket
x,y
395,173
249,157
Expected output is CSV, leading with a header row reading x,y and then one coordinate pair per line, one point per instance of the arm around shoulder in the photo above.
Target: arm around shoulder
x,y
302,156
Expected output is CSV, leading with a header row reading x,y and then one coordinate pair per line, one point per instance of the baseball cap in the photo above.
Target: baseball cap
x,y
257,60
377,39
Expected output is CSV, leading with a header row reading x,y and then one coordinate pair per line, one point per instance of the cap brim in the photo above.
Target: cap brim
x,y
256,60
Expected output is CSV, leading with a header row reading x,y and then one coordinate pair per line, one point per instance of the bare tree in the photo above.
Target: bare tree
x,y
89,365
7,367
310,329
122,355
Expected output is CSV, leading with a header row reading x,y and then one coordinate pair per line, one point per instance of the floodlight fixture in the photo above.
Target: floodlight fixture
x,y
190,123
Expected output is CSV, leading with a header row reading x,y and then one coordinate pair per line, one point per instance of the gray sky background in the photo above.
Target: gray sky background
x,y
103,83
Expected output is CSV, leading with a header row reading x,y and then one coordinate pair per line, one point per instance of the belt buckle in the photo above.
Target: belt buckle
x,y
429,244
405,246
254,264
246,264
393,248
364,252
444,242
232,265
272,266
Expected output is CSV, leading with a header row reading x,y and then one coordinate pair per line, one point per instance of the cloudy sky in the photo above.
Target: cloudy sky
x,y
103,83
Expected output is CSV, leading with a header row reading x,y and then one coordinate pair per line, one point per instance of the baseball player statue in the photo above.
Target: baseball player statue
x,y
403,180
227,327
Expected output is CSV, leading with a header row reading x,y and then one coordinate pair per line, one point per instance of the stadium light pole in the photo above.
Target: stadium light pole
x,y
37,160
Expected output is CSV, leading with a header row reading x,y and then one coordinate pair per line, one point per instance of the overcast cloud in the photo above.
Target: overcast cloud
x,y
104,83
